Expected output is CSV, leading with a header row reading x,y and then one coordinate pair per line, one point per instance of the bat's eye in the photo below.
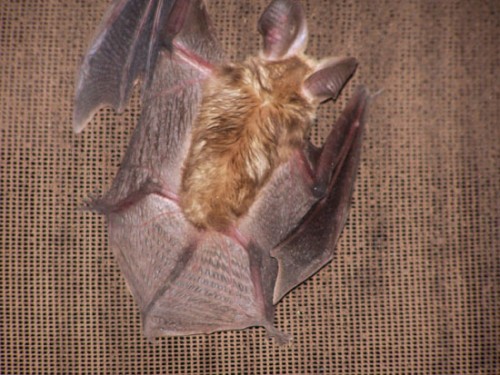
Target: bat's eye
x,y
294,99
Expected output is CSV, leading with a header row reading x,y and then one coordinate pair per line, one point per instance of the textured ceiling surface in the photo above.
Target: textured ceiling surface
x,y
415,285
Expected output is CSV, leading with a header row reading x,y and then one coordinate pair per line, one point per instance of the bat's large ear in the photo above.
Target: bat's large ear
x,y
284,29
329,77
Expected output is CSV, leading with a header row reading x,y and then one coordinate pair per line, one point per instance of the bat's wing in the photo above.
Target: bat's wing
x,y
126,46
312,243
184,281
124,49
171,47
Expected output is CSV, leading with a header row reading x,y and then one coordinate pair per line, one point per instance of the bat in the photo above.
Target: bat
x,y
221,205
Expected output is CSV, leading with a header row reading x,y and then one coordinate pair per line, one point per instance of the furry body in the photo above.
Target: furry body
x,y
253,115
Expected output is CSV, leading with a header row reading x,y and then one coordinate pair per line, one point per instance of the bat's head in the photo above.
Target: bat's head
x,y
283,27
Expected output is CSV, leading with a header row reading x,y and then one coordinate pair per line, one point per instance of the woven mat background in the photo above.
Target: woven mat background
x,y
415,286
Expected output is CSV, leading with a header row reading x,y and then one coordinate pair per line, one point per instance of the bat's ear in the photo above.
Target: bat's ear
x,y
284,29
329,77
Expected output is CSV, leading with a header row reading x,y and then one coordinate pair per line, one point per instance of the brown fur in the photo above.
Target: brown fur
x,y
253,115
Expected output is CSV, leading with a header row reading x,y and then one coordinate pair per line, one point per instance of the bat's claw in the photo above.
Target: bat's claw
x,y
281,338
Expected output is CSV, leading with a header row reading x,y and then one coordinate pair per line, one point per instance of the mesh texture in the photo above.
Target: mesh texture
x,y
415,285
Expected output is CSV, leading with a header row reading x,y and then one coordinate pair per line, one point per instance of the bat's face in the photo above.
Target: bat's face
x,y
281,82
